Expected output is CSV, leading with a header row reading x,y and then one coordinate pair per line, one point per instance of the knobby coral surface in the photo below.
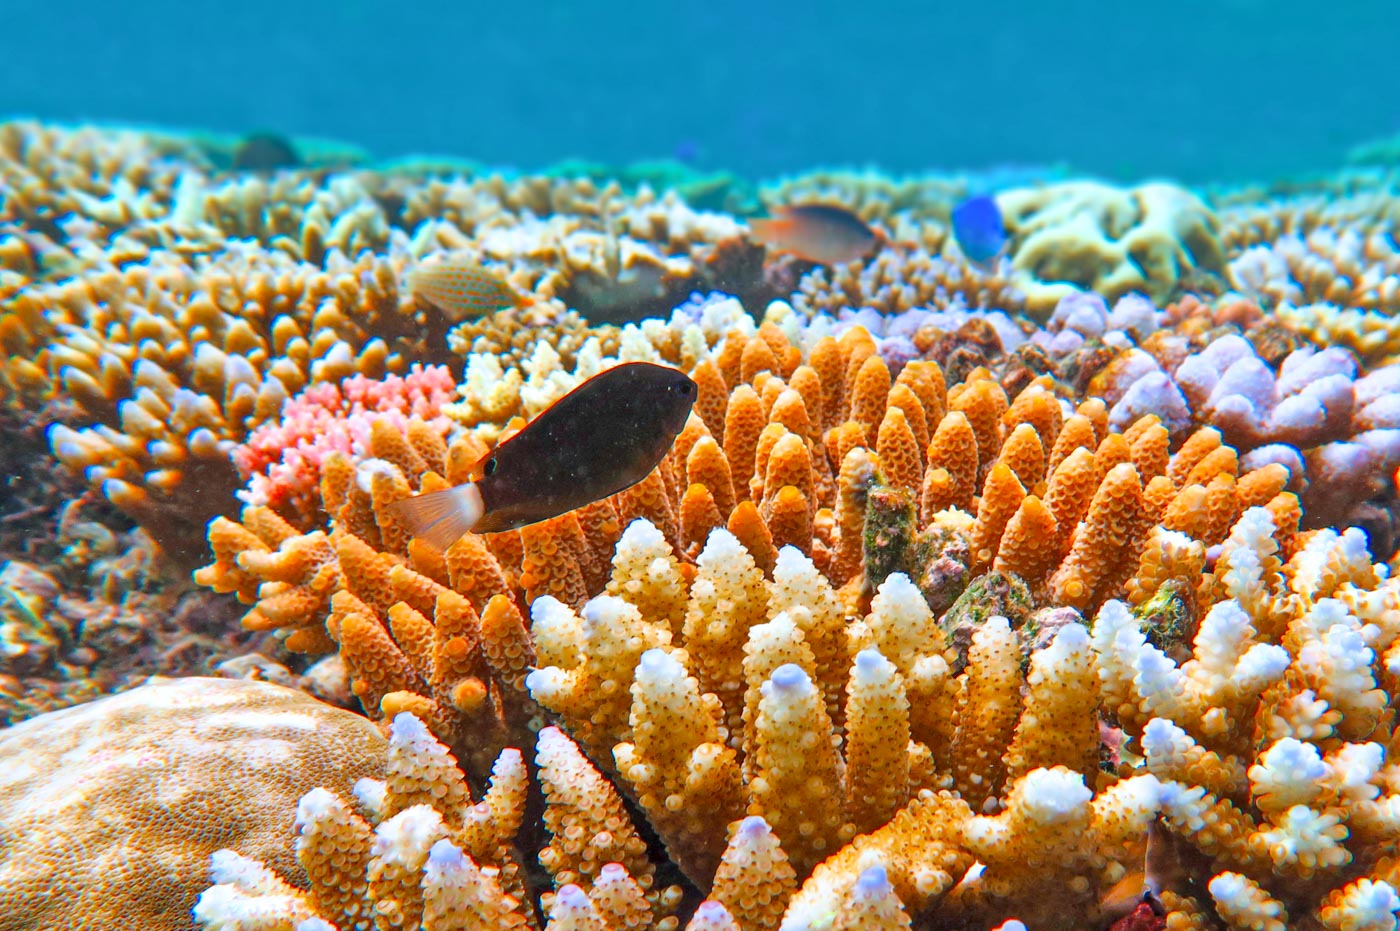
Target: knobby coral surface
x,y
109,811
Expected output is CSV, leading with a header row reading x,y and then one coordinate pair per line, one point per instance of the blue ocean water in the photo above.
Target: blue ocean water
x,y
1197,89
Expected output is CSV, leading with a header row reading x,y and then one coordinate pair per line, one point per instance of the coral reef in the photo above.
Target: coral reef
x,y
1050,592
898,279
94,610
282,460
806,475
203,303
1263,750
120,802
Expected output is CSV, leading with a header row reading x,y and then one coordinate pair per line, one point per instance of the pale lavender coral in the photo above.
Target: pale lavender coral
x,y
1082,316
693,308
1308,402
1313,416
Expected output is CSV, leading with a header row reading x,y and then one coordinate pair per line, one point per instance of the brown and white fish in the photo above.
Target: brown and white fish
x,y
462,287
817,232
605,435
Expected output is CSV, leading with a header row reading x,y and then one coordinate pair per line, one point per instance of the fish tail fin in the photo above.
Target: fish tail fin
x,y
441,518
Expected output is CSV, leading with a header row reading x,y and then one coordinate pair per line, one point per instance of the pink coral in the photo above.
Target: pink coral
x,y
282,460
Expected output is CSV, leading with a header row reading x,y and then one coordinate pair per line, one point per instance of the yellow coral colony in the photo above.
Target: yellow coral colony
x,y
773,698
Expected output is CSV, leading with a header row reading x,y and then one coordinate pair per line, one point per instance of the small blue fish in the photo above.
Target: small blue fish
x,y
978,227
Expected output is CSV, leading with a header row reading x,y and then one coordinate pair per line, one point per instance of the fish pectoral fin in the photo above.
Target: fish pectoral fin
x,y
441,518
477,470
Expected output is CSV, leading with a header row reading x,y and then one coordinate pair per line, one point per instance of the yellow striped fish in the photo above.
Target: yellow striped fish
x,y
462,288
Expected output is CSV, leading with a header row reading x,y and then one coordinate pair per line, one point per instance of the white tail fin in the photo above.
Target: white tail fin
x,y
441,517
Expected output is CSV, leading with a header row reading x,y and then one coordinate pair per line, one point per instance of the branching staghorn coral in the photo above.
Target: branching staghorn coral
x,y
848,545
1336,286
1271,742
899,279
412,850
1251,216
283,460
909,505
180,309
174,370
1341,267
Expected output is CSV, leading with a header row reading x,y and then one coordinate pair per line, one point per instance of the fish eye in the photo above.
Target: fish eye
x,y
491,466
687,387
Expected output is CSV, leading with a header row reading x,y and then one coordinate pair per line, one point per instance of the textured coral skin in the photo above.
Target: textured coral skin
x,y
1108,240
140,788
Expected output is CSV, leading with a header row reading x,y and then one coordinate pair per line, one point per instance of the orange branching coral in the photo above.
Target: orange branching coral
x,y
746,747
1078,544
164,359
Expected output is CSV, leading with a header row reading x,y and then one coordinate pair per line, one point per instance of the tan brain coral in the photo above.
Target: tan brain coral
x,y
1093,236
120,802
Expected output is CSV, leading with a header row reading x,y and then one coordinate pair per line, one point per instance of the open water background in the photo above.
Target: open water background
x,y
1196,89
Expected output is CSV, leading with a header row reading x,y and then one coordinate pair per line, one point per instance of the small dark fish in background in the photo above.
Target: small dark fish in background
x,y
265,152
462,287
979,229
605,435
820,233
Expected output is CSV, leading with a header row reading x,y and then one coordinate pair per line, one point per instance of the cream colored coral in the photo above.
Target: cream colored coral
x,y
152,782
681,772
1088,235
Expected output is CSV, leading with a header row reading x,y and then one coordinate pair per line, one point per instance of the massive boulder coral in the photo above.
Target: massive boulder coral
x,y
120,802
1086,235
911,625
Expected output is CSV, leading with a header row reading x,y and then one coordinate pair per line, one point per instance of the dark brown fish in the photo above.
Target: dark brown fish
x,y
605,435
265,152
817,232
